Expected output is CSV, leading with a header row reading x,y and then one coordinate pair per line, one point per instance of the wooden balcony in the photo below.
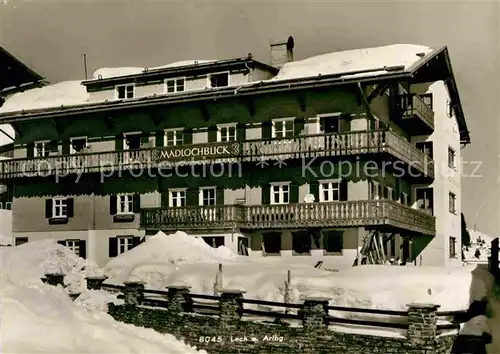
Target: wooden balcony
x,y
304,146
369,213
418,117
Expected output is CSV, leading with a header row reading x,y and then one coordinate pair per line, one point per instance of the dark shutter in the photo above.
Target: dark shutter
x,y
30,150
343,191
344,124
62,243
188,136
294,193
241,132
136,241
219,196
192,196
160,139
82,244
136,203
119,142
65,147
144,139
112,205
52,145
164,199
70,207
48,208
266,130
298,126
212,134
314,190
266,193
113,247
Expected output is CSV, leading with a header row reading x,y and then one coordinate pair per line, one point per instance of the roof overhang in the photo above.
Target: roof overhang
x,y
14,74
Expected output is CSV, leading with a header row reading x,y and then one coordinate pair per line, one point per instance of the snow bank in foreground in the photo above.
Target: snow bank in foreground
x,y
5,241
348,61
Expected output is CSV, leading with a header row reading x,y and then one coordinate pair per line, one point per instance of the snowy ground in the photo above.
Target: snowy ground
x,y
481,242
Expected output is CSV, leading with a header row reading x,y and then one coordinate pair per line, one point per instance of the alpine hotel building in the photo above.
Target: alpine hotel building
x,y
267,159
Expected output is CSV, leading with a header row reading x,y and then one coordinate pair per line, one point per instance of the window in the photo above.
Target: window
x,y
218,80
20,240
173,137
388,193
73,245
125,91
124,204
452,203
449,109
329,191
227,133
451,158
176,198
280,193
175,85
453,247
125,243
424,199
41,149
132,141
283,128
207,196
330,124
425,147
374,191
60,208
271,244
333,241
78,145
301,243
404,199
215,241
427,98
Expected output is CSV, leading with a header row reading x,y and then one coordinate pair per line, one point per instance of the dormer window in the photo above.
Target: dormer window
x,y
218,80
125,91
175,85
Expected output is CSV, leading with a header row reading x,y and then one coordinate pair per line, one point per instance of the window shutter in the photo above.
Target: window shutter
x,y
144,139
266,193
294,193
70,205
212,134
65,147
112,204
344,125
219,196
241,132
113,247
164,199
82,244
52,145
62,243
298,126
30,150
48,208
192,196
314,190
266,130
160,139
343,190
188,136
119,142
136,203
136,241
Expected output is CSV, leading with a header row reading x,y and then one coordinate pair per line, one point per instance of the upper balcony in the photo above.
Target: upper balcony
x,y
352,143
417,115
385,214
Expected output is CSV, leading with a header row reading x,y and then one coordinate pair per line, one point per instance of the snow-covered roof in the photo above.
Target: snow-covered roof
x,y
360,62
475,234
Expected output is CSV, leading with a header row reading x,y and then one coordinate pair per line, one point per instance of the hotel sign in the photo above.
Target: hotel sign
x,y
196,152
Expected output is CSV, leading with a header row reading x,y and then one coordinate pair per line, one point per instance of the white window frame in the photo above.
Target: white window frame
x,y
200,196
125,144
177,139
281,193
72,150
73,245
175,79
128,200
43,144
284,130
224,128
60,207
452,164
452,196
331,189
209,84
127,242
326,116
178,196
125,85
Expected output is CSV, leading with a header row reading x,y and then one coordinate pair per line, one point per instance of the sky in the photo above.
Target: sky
x,y
51,36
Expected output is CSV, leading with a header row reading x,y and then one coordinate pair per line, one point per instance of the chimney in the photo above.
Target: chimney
x,y
282,52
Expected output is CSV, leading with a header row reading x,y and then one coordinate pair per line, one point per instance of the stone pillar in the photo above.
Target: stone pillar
x,y
178,301
54,279
231,308
422,324
95,282
315,312
133,292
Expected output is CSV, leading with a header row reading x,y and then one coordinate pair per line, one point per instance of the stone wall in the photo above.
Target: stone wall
x,y
229,333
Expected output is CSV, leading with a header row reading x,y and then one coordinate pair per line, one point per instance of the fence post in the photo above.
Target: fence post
x,y
133,292
422,323
287,289
315,314
230,305
178,301
95,282
54,279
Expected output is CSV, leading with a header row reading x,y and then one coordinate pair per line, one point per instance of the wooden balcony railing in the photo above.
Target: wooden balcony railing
x,y
416,107
335,214
303,146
